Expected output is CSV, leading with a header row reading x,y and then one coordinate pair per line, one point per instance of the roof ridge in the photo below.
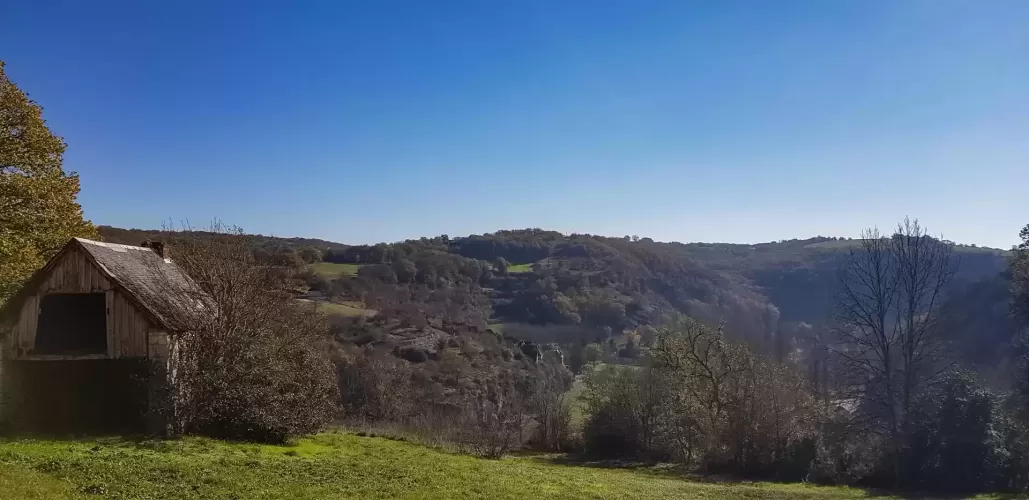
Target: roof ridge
x,y
111,245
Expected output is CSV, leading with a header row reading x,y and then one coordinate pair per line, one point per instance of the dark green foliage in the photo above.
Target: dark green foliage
x,y
310,255
529,245
501,266
958,440
380,272
405,270
1019,403
288,258
622,408
630,350
978,319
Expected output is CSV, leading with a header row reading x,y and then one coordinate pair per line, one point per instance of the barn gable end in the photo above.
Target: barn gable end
x,y
74,272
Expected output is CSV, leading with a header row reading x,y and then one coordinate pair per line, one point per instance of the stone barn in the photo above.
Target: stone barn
x,y
89,341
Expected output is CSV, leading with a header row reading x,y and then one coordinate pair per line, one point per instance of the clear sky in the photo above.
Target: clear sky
x,y
690,121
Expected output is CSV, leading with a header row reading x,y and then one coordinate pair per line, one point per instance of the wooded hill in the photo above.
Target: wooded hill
x,y
578,289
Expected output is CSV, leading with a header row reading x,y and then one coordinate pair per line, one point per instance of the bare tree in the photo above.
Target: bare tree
x,y
924,266
494,422
887,342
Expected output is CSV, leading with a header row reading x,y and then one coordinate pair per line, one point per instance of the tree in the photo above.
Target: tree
x,y
1020,290
405,270
38,208
925,265
592,353
888,342
289,259
1020,276
957,438
630,350
310,255
502,266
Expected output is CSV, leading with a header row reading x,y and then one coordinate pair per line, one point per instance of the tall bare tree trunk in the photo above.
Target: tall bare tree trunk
x,y
885,314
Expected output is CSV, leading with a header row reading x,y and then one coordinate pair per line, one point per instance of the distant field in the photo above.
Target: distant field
x,y
333,270
348,308
339,466
519,268
835,244
345,309
854,243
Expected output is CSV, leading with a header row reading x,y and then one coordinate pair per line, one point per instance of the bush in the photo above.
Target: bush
x,y
375,386
701,399
624,407
958,442
252,363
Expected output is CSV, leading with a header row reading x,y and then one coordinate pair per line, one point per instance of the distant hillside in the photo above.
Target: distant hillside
x,y
580,288
137,236
798,276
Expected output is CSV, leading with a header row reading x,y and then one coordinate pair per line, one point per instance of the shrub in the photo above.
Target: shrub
x,y
253,363
701,398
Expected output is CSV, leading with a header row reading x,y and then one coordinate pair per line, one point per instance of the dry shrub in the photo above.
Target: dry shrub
x,y
252,362
374,385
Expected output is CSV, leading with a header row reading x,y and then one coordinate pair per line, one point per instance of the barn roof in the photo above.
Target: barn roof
x,y
159,286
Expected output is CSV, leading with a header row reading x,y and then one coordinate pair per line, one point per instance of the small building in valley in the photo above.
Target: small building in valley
x,y
89,341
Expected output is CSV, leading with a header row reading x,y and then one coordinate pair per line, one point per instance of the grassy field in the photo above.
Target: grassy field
x,y
334,465
333,270
345,309
519,268
337,466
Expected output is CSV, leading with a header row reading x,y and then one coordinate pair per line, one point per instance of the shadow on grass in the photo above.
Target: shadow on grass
x,y
909,495
101,437
659,469
672,471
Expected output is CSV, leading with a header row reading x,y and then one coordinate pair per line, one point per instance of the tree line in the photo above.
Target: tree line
x,y
895,408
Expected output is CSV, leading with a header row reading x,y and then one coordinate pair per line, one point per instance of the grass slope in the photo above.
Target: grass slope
x,y
334,270
519,268
338,466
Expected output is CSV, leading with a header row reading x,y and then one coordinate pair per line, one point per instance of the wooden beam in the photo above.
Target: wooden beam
x,y
59,357
110,323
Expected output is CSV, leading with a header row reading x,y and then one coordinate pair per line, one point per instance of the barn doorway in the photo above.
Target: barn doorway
x,y
72,324
90,396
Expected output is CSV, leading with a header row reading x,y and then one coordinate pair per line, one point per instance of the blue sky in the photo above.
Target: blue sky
x,y
688,121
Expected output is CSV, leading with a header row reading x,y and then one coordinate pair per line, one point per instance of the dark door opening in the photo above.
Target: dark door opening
x,y
72,324
103,396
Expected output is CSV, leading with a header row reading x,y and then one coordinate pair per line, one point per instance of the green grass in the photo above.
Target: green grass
x,y
337,466
519,268
576,405
333,270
